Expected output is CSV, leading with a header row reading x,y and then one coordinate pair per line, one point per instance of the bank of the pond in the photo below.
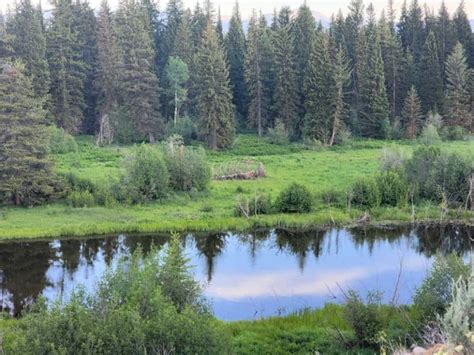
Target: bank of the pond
x,y
62,221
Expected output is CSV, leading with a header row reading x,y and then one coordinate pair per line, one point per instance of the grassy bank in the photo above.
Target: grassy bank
x,y
323,170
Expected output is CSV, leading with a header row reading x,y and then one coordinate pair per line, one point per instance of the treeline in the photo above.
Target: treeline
x,y
140,74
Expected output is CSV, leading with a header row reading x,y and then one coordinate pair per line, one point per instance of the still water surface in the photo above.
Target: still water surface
x,y
245,276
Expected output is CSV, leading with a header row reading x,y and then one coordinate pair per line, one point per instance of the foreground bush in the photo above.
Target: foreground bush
x,y
146,305
253,206
365,193
146,177
392,188
294,199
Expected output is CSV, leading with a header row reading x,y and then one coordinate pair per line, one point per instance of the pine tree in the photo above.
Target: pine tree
x,y
26,176
353,26
108,74
213,93
198,25
256,74
219,29
68,71
444,34
412,114
174,17
235,49
286,99
430,83
463,32
374,106
184,45
457,112
303,33
319,86
29,45
139,84
415,31
341,77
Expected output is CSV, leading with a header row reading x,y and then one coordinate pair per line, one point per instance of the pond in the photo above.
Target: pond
x,y
244,275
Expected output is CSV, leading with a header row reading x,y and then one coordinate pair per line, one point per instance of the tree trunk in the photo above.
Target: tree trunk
x,y
175,107
213,139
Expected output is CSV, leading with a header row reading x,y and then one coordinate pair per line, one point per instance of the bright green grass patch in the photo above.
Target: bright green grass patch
x,y
305,332
334,169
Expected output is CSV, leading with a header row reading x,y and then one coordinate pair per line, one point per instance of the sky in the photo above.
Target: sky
x,y
324,7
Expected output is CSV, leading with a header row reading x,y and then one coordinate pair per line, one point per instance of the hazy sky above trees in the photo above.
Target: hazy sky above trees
x,y
324,7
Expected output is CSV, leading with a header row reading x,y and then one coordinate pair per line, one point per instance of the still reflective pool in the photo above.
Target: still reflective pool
x,y
246,275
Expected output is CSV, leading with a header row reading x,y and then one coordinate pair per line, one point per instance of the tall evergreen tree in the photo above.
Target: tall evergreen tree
x,y
219,28
463,32
319,86
256,74
412,114
444,34
414,35
139,83
303,33
68,71
430,83
109,63
183,47
29,44
286,93
26,176
458,111
235,46
198,24
353,26
213,93
374,107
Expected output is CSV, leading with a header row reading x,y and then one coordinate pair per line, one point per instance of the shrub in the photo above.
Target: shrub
x,y
454,133
344,137
146,177
365,193
364,318
187,167
392,189
418,168
278,135
144,305
81,199
76,183
392,158
435,293
294,199
185,128
61,142
253,206
333,197
429,135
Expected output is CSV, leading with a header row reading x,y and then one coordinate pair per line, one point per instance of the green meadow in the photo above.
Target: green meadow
x,y
327,172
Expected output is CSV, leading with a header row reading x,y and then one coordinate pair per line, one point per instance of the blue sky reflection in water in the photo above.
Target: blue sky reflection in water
x,y
245,276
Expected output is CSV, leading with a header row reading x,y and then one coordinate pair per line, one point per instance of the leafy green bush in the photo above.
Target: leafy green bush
x,y
187,167
294,199
76,183
333,198
435,293
185,128
81,199
429,135
278,135
392,158
454,133
255,205
418,168
144,305
392,188
364,318
365,193
146,176
61,142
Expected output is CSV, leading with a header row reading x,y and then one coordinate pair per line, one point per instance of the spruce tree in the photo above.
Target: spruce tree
x,y
219,28
235,46
174,17
286,93
29,45
319,86
139,83
412,114
303,33
198,24
26,176
415,30
213,93
109,63
444,34
457,110
68,71
374,107
463,32
184,45
430,83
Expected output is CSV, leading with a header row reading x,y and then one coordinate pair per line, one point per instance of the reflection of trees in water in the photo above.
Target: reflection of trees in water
x,y
146,242
23,268
254,240
444,238
369,236
210,245
300,243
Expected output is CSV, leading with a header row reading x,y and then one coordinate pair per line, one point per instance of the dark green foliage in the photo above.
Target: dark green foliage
x,y
235,48
365,193
392,188
187,167
364,317
143,304
213,92
435,293
60,142
26,176
146,176
411,114
418,168
294,199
